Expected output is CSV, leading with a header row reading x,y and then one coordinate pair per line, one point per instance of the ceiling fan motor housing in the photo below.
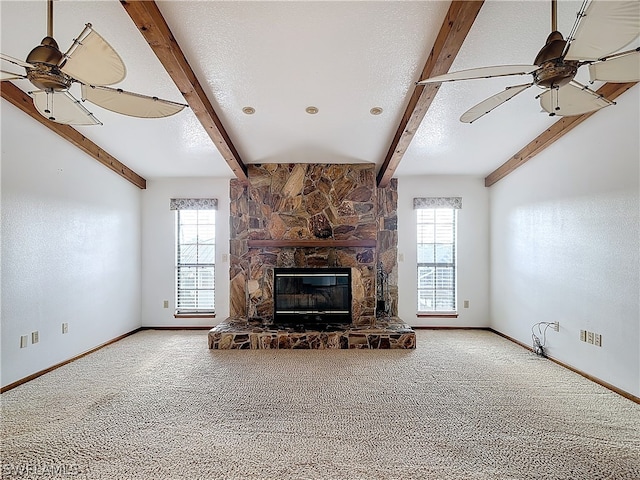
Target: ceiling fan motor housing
x,y
45,73
553,74
47,52
554,71
553,48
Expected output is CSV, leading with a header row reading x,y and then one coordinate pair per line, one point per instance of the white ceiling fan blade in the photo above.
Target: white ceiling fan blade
x,y
132,104
15,61
62,107
482,72
572,99
492,102
621,69
10,76
92,60
606,27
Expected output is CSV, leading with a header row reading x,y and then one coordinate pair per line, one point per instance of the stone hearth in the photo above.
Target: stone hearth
x,y
238,333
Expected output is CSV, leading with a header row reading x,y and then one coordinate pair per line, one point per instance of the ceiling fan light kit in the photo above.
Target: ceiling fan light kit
x,y
93,64
602,28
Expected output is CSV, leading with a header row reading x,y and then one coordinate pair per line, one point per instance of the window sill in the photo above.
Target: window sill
x,y
194,315
437,314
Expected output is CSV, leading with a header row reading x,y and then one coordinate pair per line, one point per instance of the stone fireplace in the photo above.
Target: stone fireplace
x,y
311,217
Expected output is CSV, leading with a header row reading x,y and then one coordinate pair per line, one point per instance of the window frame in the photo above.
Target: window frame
x,y
180,310
452,264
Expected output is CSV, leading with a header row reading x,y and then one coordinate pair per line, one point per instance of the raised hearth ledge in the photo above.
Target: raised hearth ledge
x,y
238,333
311,243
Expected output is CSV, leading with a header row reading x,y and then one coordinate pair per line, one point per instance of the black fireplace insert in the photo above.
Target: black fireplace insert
x,y
312,296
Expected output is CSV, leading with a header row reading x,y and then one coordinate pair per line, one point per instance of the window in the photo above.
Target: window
x,y
195,257
436,256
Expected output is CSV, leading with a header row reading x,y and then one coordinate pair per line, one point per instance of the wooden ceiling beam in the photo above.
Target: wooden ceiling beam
x,y
154,28
453,31
556,131
24,102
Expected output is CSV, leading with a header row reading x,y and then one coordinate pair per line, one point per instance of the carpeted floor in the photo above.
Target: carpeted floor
x,y
463,405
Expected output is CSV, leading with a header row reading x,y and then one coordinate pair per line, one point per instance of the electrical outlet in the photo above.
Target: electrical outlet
x,y
23,341
65,328
583,335
401,257
466,304
35,337
590,337
556,326
225,257
597,341
165,304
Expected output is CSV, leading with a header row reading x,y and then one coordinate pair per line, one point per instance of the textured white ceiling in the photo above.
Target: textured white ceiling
x,y
280,57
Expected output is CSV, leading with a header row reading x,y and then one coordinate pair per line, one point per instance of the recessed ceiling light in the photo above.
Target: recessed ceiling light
x,y
375,111
311,110
249,110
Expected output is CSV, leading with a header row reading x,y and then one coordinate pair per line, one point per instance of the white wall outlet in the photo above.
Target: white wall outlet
x,y
65,328
23,341
165,304
466,304
597,340
401,257
583,335
590,337
556,326
225,257
35,337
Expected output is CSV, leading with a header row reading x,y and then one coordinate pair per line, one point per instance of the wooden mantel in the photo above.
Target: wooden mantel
x,y
284,243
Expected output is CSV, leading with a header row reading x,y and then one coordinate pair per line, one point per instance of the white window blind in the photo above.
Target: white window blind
x,y
195,254
436,253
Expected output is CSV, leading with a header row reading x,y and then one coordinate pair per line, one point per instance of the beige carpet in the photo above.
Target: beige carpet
x,y
463,405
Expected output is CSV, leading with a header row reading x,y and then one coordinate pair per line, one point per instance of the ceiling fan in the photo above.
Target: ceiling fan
x,y
93,64
601,29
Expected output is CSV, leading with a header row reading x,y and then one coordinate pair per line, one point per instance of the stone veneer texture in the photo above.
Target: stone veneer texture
x,y
321,202
241,334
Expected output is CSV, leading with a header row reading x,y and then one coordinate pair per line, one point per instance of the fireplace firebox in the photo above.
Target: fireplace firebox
x,y
312,296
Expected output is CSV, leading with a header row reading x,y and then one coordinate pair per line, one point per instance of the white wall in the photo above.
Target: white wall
x,y
70,249
565,245
472,248
158,248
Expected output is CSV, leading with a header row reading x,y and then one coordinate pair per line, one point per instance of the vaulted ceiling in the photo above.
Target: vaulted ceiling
x,y
344,58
